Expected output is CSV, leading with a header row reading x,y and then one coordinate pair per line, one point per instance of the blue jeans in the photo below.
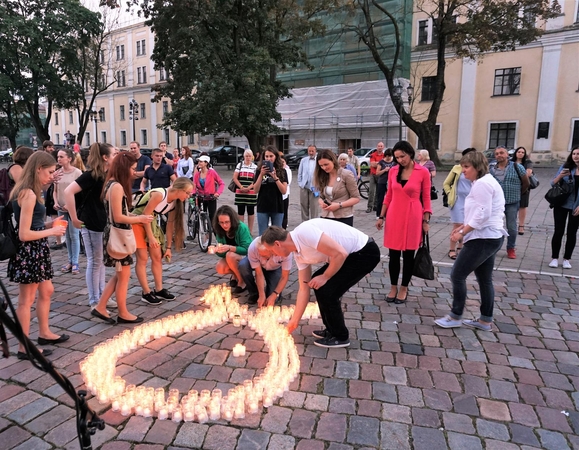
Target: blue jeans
x,y
477,255
263,220
511,216
72,237
95,268
271,278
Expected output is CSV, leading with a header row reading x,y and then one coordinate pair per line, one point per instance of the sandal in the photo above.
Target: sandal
x,y
523,230
67,268
452,254
75,269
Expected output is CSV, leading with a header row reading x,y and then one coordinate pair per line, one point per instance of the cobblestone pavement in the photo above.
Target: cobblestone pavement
x,y
403,383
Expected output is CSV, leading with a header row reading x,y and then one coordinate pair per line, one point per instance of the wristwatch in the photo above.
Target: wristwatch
x,y
460,231
276,293
381,218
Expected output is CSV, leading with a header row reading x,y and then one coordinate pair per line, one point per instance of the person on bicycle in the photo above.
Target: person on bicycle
x,y
208,185
151,240
233,240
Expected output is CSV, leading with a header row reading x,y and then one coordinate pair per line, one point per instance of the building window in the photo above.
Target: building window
x,y
503,135
121,80
428,88
575,135
507,81
102,116
103,136
144,137
123,137
141,75
191,139
422,32
57,138
70,118
87,138
143,111
167,136
165,109
162,75
543,130
102,56
56,118
141,47
120,52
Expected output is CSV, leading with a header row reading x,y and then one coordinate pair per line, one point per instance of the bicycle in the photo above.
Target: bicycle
x,y
199,223
363,188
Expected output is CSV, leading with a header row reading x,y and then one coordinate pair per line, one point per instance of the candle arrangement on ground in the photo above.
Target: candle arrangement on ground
x,y
99,368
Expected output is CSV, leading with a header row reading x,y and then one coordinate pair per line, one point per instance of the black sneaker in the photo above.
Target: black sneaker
x,y
331,342
164,293
321,334
56,246
233,282
151,299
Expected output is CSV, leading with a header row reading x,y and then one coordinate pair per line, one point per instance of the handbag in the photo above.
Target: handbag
x,y
433,193
444,199
232,186
558,194
533,182
122,242
423,267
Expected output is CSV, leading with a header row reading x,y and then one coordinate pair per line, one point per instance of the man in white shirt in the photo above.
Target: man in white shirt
x,y
271,274
353,160
308,196
347,254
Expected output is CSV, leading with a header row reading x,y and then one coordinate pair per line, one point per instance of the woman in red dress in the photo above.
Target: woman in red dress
x,y
406,213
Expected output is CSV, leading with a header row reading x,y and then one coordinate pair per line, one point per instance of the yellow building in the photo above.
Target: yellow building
x,y
529,97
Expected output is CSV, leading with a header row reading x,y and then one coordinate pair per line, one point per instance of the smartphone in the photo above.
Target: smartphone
x,y
326,201
269,165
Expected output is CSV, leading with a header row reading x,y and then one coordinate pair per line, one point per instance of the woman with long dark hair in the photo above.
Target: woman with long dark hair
x,y
31,267
185,164
89,215
115,195
270,183
407,212
233,240
568,213
520,156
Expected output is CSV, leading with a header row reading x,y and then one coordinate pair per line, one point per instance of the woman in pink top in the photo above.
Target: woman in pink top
x,y
208,184
407,212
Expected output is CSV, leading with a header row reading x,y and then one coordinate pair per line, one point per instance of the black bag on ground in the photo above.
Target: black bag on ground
x,y
423,267
558,194
9,241
433,193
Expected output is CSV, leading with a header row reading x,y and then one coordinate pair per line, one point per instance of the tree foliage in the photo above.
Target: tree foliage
x,y
39,41
466,28
222,58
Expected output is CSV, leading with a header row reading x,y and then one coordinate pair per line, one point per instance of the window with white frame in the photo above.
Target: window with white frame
x,y
103,136
144,138
56,118
191,139
70,118
121,79
428,89
575,134
143,111
57,138
165,108
502,134
122,112
422,32
120,52
141,47
162,75
87,138
167,136
141,75
507,81
123,137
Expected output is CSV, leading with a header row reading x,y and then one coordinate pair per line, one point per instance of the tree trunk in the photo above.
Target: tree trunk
x,y
256,142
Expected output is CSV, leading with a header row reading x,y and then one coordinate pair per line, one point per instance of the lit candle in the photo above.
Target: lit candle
x,y
163,414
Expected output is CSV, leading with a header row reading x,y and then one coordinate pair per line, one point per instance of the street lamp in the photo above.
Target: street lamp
x,y
94,116
134,114
398,98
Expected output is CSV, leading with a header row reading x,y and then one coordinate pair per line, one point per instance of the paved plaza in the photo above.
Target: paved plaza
x,y
402,384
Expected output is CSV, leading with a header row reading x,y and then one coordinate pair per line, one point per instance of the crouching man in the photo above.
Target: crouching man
x,y
348,256
271,274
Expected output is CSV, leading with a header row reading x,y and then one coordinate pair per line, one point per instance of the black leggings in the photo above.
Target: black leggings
x,y
250,210
394,266
560,217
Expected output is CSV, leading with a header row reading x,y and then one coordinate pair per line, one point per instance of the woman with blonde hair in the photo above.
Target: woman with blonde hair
x,y
338,190
31,267
423,158
78,163
245,196
152,241
89,215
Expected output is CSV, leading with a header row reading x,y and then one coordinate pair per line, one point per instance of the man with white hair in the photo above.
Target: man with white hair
x,y
271,274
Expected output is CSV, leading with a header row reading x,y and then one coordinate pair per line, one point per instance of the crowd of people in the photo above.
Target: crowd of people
x,y
53,195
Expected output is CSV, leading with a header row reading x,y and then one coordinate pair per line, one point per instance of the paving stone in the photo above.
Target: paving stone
x,y
317,402
499,445
282,442
332,427
494,410
363,431
347,369
503,390
493,430
335,387
387,393
293,399
31,410
34,443
395,375
552,441
221,437
136,428
457,422
428,439
396,413
307,444
191,435
342,405
437,400
162,432
457,441
394,436
524,414
50,419
63,433
13,436
553,419
466,404
523,435
276,419
425,418
335,446
410,396
302,423
253,439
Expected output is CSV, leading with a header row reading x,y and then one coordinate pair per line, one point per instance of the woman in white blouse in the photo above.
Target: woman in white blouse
x,y
483,234
185,165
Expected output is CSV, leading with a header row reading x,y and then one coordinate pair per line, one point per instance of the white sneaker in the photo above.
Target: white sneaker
x,y
112,304
554,264
448,322
566,264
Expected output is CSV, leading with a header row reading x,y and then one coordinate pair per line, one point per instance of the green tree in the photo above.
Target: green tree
x,y
39,42
13,116
222,58
466,28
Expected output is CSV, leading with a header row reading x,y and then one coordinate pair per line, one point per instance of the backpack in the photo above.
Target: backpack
x,y
9,240
6,186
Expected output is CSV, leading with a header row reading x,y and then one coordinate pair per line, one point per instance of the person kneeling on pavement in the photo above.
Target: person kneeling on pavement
x,y
271,274
348,256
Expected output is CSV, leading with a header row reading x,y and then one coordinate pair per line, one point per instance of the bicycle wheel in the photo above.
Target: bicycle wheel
x,y
364,187
191,223
205,231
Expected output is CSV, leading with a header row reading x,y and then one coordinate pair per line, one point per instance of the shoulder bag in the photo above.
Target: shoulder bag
x,y
232,186
121,241
559,193
423,267
533,182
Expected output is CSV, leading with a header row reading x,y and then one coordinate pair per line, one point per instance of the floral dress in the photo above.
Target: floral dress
x,y
107,259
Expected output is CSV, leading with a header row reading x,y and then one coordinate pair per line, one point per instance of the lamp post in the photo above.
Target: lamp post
x,y
398,98
134,114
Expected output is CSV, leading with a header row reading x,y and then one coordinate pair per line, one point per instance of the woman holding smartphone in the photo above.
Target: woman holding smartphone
x,y
270,183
